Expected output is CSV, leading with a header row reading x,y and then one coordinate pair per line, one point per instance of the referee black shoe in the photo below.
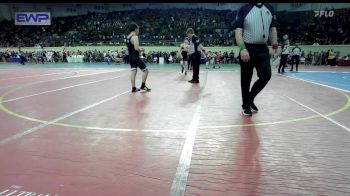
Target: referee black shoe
x,y
134,89
247,112
253,108
193,81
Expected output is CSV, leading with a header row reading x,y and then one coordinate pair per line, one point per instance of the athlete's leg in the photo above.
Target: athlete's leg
x,y
145,71
133,76
182,62
144,75
186,67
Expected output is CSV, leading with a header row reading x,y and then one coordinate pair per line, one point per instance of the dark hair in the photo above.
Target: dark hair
x,y
133,26
189,31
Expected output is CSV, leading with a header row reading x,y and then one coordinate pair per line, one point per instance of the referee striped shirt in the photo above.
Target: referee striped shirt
x,y
296,51
256,21
285,49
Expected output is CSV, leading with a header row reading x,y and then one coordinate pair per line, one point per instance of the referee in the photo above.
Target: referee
x,y
255,23
195,50
284,56
296,57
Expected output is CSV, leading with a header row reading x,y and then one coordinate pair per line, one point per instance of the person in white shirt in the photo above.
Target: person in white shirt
x,y
296,53
49,56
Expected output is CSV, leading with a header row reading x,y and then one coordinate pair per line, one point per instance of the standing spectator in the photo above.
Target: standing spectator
x,y
325,57
331,58
212,58
308,58
232,57
337,58
22,57
217,60
65,54
126,56
225,58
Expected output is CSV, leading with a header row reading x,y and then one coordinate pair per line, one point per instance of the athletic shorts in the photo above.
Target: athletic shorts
x,y
137,63
184,56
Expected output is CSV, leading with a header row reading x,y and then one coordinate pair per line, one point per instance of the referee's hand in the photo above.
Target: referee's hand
x,y
274,53
245,55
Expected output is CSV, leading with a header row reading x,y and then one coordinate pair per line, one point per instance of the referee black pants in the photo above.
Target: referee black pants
x,y
260,59
195,62
283,62
295,59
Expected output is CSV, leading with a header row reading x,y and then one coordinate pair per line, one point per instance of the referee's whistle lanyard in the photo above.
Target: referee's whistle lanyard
x,y
262,19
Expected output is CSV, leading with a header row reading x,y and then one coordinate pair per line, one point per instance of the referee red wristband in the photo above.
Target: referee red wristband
x,y
274,46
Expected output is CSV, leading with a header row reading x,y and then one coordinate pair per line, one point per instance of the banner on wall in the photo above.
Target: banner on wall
x,y
32,18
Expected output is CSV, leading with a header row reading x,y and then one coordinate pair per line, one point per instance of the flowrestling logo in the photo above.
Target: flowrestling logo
x,y
33,18
321,13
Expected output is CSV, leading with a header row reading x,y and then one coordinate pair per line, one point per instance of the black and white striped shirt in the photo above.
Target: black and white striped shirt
x,y
285,49
296,51
256,21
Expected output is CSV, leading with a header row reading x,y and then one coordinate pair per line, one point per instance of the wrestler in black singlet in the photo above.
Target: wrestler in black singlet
x,y
184,54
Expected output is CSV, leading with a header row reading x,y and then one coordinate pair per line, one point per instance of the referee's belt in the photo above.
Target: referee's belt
x,y
255,45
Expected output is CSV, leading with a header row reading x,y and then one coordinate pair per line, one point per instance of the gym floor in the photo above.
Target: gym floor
x,y
76,129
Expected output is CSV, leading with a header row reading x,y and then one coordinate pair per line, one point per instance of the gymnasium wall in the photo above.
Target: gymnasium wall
x,y
344,49
7,10
297,7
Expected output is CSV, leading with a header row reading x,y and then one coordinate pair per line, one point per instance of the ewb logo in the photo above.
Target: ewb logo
x,y
33,18
15,190
320,13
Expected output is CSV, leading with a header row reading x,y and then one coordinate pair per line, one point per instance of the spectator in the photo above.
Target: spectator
x,y
331,58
